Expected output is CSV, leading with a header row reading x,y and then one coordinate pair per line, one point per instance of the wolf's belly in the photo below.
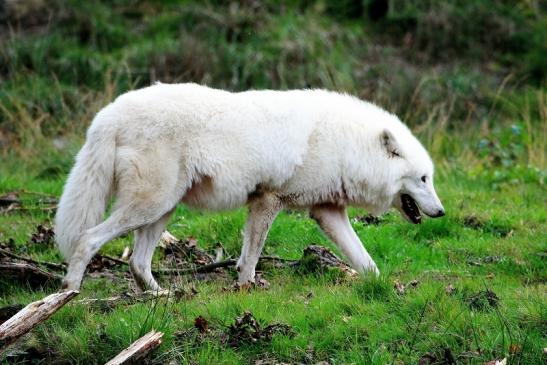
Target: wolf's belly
x,y
207,195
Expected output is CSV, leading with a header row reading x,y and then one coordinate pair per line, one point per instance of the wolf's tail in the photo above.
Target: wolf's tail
x,y
87,189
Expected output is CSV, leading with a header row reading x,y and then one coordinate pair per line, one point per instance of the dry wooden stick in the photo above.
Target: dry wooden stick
x,y
32,315
116,260
197,269
48,208
127,298
28,273
138,349
216,265
28,259
25,191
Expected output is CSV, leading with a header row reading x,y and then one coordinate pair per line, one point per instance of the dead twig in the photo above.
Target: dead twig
x,y
28,273
24,209
197,269
216,265
51,265
29,192
32,315
114,259
138,349
14,201
9,199
129,298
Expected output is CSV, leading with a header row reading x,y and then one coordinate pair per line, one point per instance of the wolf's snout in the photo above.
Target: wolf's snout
x,y
439,213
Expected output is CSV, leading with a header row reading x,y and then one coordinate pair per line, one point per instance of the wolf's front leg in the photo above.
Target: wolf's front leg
x,y
262,212
334,221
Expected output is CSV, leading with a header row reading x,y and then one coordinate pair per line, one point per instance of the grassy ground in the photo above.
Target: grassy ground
x,y
473,91
492,239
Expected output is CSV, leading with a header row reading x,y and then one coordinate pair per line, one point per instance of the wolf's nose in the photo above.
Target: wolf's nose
x,y
440,213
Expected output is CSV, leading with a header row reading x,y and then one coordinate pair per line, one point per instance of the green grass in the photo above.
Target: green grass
x,y
473,91
361,321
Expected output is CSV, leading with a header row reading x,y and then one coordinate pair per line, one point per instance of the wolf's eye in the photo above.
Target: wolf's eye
x,y
424,178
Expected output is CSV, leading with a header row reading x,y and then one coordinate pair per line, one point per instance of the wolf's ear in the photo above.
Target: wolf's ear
x,y
390,144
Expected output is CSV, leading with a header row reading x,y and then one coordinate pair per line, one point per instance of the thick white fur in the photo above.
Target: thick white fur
x,y
215,150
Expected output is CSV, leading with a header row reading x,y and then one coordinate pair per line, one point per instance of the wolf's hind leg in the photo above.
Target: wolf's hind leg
x,y
334,221
149,185
262,212
124,219
140,263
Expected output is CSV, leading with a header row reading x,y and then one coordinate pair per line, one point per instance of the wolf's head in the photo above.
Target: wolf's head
x,y
416,194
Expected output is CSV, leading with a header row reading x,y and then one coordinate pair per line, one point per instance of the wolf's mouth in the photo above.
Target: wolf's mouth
x,y
411,209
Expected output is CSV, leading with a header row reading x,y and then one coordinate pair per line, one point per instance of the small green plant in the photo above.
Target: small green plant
x,y
504,156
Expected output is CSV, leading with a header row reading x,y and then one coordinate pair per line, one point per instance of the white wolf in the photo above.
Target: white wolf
x,y
212,149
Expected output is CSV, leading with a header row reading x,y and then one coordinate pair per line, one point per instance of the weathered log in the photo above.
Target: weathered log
x,y
32,315
138,349
28,273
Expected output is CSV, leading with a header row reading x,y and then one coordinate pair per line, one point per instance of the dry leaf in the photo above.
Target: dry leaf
x,y
201,324
399,287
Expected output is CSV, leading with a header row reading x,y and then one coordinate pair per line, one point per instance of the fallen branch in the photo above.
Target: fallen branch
x,y
138,349
127,298
215,265
24,209
32,315
39,193
13,201
51,265
9,199
28,273
114,259
197,269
